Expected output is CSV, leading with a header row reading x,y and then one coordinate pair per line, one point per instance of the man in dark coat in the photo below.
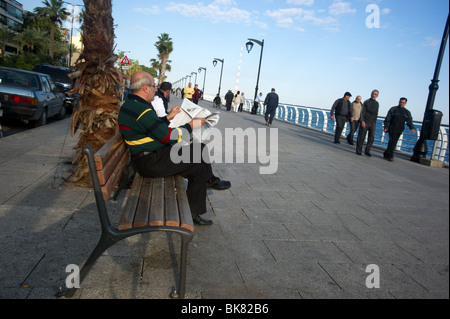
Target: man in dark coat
x,y
369,116
395,125
271,103
343,110
229,99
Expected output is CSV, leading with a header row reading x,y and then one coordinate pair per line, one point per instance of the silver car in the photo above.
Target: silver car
x,y
30,96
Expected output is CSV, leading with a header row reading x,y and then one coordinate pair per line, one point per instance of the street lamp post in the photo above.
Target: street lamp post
x,y
71,29
204,79
249,46
421,148
195,77
221,72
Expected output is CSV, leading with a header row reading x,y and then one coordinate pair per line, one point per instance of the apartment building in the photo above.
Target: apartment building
x,y
11,16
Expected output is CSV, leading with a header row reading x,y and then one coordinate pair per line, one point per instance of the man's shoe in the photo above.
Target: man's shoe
x,y
368,154
201,221
217,183
337,142
358,153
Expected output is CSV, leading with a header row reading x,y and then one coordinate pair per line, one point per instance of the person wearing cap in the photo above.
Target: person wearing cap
x,y
342,110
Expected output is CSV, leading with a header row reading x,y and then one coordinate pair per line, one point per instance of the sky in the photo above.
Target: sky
x,y
314,50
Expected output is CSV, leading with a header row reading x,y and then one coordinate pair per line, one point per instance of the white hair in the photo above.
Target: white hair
x,y
139,84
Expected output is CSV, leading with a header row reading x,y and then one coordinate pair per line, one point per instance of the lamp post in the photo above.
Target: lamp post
x,y
195,82
421,148
204,79
221,72
71,29
249,46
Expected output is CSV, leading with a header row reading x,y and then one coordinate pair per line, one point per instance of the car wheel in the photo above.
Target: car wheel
x,y
42,120
62,114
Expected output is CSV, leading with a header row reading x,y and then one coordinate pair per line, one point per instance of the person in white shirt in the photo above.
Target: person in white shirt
x,y
258,101
161,101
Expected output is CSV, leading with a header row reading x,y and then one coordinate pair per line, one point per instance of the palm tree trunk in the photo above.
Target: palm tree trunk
x,y
51,50
163,71
98,83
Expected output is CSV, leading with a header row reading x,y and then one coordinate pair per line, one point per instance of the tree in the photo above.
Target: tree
x,y
31,39
98,82
54,11
165,48
6,36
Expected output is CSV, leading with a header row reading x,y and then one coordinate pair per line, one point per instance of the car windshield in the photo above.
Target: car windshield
x,y
19,79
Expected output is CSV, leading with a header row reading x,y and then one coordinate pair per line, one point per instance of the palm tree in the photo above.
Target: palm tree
x,y
31,38
164,47
6,36
98,82
56,13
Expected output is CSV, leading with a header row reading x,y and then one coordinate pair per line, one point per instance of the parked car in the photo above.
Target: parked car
x,y
60,76
30,96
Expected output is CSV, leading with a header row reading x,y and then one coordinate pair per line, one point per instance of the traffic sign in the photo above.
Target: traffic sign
x,y
125,61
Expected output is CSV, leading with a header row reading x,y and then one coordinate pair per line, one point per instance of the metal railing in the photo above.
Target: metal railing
x,y
319,119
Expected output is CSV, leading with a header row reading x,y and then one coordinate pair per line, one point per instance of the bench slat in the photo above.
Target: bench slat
x,y
157,208
102,155
172,216
183,204
115,177
143,209
127,218
108,168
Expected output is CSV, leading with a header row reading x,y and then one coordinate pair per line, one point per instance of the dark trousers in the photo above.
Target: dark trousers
x,y
370,129
255,107
270,114
353,127
159,164
340,123
393,140
228,105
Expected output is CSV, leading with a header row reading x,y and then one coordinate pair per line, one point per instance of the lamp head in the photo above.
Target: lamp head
x,y
249,45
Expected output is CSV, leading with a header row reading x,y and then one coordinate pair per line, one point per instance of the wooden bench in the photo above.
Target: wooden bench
x,y
152,204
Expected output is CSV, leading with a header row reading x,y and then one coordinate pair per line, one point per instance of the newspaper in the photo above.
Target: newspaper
x,y
190,111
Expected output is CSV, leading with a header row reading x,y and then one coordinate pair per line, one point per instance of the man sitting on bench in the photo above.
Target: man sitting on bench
x,y
150,141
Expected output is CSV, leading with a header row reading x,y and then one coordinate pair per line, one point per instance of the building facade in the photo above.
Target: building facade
x,y
11,16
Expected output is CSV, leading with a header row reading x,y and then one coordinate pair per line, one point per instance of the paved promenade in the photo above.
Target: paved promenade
x,y
308,231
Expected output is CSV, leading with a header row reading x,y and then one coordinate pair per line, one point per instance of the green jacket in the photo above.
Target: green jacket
x,y
143,130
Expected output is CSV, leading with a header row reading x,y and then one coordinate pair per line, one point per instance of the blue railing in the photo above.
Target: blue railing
x,y
319,119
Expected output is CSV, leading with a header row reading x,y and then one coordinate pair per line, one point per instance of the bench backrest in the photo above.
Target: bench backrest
x,y
110,162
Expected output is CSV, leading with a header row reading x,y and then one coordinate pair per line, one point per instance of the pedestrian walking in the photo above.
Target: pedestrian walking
x,y
271,102
394,124
259,99
369,116
196,95
229,99
189,92
236,101
356,109
342,111
241,105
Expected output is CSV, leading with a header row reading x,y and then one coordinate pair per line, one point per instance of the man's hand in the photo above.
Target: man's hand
x,y
173,113
197,123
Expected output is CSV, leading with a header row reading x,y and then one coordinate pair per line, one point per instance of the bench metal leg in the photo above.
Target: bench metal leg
x,y
183,265
104,243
